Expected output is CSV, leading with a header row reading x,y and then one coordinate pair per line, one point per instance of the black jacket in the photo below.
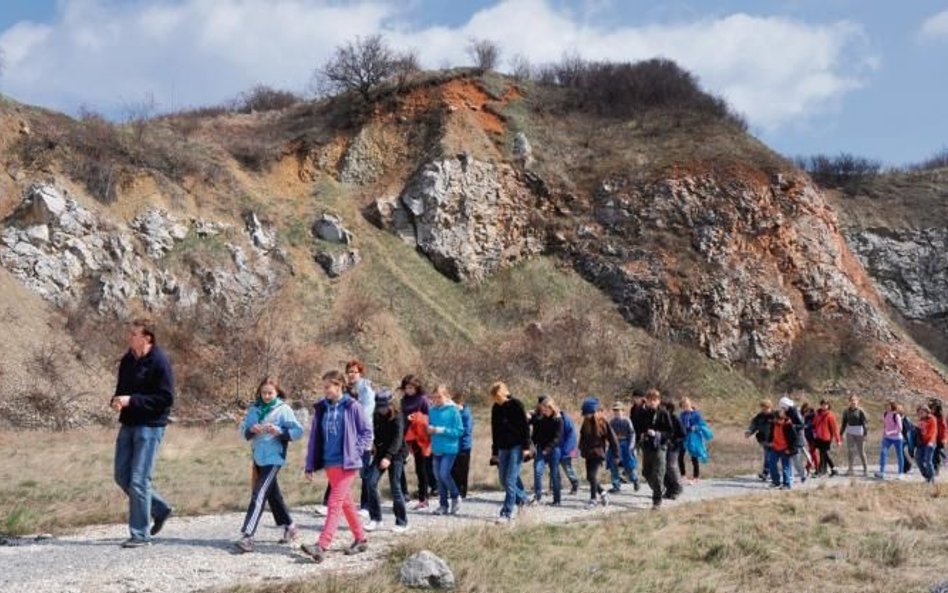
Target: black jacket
x,y
789,433
546,431
676,439
639,415
508,426
150,383
660,421
760,426
388,436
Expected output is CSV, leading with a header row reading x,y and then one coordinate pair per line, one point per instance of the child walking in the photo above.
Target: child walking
x,y
783,442
927,438
568,452
462,464
596,440
697,435
445,428
826,431
891,437
389,455
269,425
340,433
547,433
625,434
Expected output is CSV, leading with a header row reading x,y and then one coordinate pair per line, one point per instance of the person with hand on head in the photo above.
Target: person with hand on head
x,y
388,434
144,394
269,425
445,428
339,435
510,446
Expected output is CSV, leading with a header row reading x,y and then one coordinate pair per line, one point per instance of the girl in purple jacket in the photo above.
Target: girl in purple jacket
x,y
339,435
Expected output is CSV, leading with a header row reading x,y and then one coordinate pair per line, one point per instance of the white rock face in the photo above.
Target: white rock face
x,y
330,228
68,255
908,266
469,217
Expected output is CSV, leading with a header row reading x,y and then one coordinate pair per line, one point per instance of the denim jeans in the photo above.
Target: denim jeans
x,y
135,451
508,468
550,460
363,491
566,462
884,454
373,477
923,456
628,461
443,464
786,468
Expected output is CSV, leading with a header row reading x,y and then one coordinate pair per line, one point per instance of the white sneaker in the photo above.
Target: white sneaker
x,y
364,514
399,529
900,477
372,525
321,510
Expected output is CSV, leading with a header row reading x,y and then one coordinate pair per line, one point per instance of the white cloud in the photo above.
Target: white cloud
x,y
935,26
187,52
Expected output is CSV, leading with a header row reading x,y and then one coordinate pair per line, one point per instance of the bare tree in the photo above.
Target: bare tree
x,y
358,65
520,67
485,54
407,65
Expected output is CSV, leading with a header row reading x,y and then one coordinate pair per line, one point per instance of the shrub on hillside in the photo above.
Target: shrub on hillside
x,y
844,171
939,160
484,53
264,98
624,89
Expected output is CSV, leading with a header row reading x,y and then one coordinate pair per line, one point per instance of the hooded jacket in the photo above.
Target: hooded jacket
x,y
356,435
270,449
446,422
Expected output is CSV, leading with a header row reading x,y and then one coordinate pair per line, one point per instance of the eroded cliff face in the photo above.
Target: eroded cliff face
x,y
734,266
909,267
469,217
74,257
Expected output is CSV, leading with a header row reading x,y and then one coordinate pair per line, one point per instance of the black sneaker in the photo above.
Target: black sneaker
x,y
574,489
315,552
635,486
160,522
135,542
615,490
357,548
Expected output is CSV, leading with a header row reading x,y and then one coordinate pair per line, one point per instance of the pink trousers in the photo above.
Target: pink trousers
x,y
340,502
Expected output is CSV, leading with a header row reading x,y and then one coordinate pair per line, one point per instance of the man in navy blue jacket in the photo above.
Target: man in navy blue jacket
x,y
143,397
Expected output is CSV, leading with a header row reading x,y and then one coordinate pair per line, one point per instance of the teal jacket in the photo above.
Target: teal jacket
x,y
270,449
446,419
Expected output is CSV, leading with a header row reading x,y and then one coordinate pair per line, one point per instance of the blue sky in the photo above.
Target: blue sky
x,y
862,76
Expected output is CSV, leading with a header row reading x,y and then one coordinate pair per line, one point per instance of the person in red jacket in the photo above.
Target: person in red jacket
x,y
927,439
825,432
938,413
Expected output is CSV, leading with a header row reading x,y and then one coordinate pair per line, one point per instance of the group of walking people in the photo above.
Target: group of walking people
x,y
800,439
356,432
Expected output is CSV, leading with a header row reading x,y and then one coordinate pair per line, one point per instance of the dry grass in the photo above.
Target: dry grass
x,y
746,544
55,481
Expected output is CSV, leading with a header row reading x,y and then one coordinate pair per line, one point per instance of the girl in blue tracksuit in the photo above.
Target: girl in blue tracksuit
x,y
445,428
269,425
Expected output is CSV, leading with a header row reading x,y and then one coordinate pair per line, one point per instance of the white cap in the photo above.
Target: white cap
x,y
785,402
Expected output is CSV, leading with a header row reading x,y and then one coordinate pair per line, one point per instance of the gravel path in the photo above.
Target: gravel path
x,y
195,553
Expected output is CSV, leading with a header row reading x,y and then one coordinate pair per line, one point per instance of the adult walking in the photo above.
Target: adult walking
x,y
510,446
856,427
891,437
360,389
144,394
697,435
676,443
568,450
759,428
415,405
655,437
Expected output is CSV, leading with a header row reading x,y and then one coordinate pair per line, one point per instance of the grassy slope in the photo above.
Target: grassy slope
x,y
817,540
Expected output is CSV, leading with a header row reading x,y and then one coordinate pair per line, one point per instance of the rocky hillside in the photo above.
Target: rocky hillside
x,y
897,226
465,226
